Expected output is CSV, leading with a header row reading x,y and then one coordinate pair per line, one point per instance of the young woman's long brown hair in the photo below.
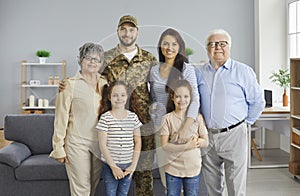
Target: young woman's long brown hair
x,y
176,71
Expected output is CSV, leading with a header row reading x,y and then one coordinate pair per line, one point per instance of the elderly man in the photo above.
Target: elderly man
x,y
230,98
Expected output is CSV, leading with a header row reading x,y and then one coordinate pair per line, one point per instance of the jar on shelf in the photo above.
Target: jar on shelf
x,y
50,80
56,80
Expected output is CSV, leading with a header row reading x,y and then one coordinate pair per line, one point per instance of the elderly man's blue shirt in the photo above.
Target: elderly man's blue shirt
x,y
229,95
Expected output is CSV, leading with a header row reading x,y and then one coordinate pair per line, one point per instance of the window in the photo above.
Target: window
x,y
294,28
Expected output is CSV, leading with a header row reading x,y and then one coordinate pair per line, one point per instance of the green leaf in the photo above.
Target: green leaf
x,y
42,53
281,78
189,51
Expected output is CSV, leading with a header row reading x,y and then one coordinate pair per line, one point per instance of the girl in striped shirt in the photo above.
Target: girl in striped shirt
x,y
119,139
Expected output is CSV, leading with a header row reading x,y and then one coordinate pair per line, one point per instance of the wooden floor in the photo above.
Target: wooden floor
x,y
274,156
271,181
260,182
275,182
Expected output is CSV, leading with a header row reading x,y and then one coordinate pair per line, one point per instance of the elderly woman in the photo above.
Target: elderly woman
x,y
77,107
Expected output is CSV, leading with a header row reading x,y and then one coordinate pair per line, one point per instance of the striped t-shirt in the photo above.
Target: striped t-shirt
x,y
120,133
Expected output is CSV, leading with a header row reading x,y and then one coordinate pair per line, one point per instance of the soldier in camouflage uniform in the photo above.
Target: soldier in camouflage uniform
x,y
132,64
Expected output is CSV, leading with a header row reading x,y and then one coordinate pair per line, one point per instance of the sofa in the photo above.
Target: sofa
x,y
26,168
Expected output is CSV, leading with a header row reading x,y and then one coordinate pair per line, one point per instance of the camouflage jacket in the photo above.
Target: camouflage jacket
x,y
135,73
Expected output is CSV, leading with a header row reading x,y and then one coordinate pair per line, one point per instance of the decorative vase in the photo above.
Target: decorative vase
x,y
42,60
285,100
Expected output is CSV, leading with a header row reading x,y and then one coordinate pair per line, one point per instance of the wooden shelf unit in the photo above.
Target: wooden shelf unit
x,y
294,165
42,90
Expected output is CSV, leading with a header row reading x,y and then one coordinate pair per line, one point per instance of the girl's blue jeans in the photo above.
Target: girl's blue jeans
x,y
190,185
112,186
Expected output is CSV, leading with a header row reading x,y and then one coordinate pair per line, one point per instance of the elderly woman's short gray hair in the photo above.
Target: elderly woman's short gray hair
x,y
218,32
90,48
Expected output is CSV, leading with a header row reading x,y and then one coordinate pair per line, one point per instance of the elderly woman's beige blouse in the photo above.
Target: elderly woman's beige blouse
x,y
77,110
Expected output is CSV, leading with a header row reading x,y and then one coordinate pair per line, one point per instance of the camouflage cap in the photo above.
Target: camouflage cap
x,y
128,18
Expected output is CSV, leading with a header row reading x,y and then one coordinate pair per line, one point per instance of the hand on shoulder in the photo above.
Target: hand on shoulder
x,y
62,85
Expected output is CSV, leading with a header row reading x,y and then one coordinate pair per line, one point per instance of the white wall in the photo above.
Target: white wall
x,y
270,36
63,26
271,53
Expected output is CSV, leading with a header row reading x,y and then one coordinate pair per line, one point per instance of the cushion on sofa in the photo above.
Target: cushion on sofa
x,y
14,154
41,167
34,130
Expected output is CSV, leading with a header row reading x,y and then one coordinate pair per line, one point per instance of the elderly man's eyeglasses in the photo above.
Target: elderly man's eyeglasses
x,y
222,44
92,59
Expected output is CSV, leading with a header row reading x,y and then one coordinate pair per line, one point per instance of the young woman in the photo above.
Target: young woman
x,y
184,158
119,139
173,66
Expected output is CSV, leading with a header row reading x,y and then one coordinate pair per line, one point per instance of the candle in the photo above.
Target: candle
x,y
46,103
40,103
31,101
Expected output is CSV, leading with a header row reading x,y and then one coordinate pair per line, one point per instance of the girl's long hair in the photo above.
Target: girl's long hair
x,y
105,103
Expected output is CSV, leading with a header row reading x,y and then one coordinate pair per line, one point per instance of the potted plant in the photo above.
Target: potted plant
x,y
188,52
43,55
282,78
